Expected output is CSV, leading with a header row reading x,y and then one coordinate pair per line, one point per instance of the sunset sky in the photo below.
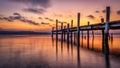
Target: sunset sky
x,y
40,15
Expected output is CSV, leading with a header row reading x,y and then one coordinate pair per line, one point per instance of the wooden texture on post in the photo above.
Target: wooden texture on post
x,y
52,31
62,31
71,32
56,29
78,30
78,40
106,45
88,36
68,33
102,21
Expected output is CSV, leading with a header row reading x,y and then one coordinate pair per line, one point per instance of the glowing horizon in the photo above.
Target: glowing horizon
x,y
39,15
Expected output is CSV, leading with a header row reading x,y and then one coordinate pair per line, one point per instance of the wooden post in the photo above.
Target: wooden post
x,y
102,21
78,40
67,33
71,32
62,32
78,30
107,30
56,40
56,29
52,31
88,36
106,45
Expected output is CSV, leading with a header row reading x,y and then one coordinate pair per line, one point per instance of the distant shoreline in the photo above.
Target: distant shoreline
x,y
23,33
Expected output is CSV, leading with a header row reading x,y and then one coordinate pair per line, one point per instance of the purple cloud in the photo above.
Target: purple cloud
x,y
91,16
34,10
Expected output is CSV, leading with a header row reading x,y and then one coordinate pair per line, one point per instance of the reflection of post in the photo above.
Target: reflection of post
x,y
102,21
82,39
62,32
88,36
106,46
92,39
56,50
71,32
74,38
111,38
62,48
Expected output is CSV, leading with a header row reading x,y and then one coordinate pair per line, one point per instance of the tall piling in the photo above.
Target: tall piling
x,y
102,21
106,45
57,30
68,31
88,37
62,32
78,30
71,32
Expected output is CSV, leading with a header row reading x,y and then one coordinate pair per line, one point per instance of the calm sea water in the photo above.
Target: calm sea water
x,y
41,51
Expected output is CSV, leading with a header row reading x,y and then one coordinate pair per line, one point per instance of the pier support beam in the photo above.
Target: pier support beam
x,y
88,37
78,30
62,32
57,30
106,45
68,31
71,32
52,31
102,21
78,40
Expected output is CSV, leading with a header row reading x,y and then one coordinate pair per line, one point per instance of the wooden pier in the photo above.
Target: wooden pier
x,y
73,32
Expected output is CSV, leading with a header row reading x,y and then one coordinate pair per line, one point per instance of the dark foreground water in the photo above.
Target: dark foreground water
x,y
38,51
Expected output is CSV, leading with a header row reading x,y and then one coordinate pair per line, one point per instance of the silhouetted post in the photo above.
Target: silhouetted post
x,y
106,46
56,29
102,21
78,40
62,32
78,30
56,40
68,33
88,36
52,31
71,32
